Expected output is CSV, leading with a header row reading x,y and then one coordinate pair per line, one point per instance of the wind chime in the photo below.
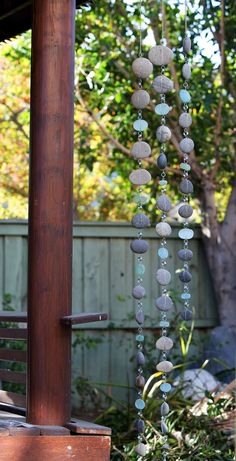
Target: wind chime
x,y
160,56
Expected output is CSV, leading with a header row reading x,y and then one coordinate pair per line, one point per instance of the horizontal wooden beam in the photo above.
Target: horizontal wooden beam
x,y
13,333
12,376
84,427
8,316
77,319
13,355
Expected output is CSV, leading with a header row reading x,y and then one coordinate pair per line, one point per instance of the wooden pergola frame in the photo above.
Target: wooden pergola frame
x,y
50,231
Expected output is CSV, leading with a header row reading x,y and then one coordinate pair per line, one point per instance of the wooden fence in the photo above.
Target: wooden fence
x,y
103,277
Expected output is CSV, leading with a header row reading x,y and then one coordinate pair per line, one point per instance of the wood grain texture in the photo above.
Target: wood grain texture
x,y
50,211
70,448
12,376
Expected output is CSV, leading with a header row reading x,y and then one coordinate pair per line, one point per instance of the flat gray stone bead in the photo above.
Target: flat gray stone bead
x,y
139,316
139,246
166,446
140,426
164,303
140,381
138,292
185,276
141,149
164,428
187,45
186,186
185,120
163,133
165,366
186,145
185,255
140,221
141,449
142,67
163,203
162,161
140,177
163,277
165,409
163,229
160,55
140,99
140,358
162,84
186,71
185,211
164,343
186,314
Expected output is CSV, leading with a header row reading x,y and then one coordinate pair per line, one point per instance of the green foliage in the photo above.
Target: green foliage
x,y
106,44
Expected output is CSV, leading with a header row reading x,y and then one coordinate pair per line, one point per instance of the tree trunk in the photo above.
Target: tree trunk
x,y
220,245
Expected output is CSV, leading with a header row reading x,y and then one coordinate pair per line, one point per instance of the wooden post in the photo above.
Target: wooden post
x,y
50,212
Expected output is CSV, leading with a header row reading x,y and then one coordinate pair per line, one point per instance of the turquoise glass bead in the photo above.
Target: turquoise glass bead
x,y
139,404
143,199
185,166
186,234
163,182
140,269
140,338
165,387
185,96
185,296
140,125
164,324
163,253
162,109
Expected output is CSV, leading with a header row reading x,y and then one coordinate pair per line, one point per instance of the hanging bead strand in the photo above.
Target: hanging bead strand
x,y
161,55
142,68
186,186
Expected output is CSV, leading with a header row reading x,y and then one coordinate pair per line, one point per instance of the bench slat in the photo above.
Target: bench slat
x,y
8,316
13,355
13,333
12,376
11,398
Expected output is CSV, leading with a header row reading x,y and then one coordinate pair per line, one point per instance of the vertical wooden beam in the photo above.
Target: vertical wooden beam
x,y
50,211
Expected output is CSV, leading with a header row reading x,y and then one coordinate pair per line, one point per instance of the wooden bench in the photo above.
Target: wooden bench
x,y
13,327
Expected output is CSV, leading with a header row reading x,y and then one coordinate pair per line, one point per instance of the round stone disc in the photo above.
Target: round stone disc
x,y
186,71
141,149
163,203
138,292
186,314
185,211
162,84
141,449
186,186
186,145
140,221
164,343
185,255
163,253
185,276
185,120
139,246
164,409
142,67
140,99
163,133
160,55
186,45
140,358
140,177
162,161
163,277
164,303
165,366
163,229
